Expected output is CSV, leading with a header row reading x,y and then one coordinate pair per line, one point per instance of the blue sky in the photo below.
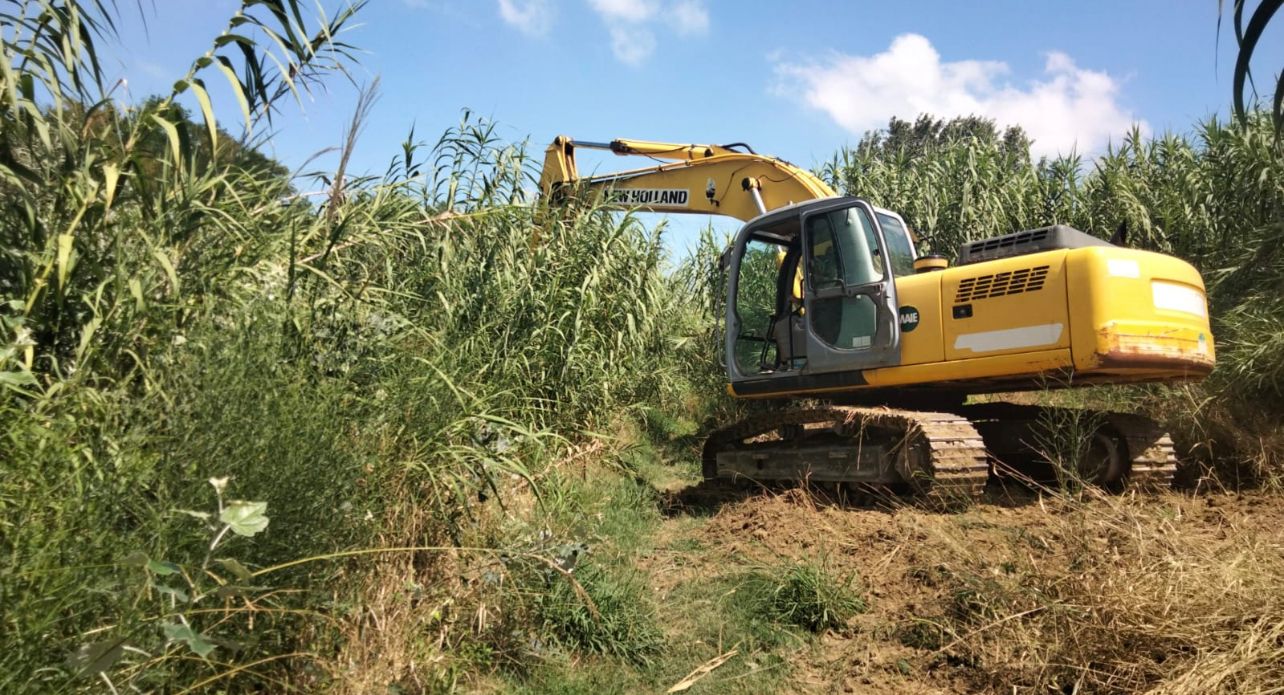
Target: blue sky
x,y
794,79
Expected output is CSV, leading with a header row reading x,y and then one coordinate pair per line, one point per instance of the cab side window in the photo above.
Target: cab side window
x,y
900,251
826,273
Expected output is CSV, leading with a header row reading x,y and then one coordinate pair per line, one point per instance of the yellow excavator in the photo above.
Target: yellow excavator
x,y
829,303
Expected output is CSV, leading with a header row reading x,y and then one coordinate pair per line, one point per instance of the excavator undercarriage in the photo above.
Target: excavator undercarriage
x,y
943,458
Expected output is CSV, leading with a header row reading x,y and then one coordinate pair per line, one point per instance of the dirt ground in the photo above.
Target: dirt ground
x,y
910,564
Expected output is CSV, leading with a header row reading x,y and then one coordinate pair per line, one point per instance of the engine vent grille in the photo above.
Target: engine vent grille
x,y
1001,284
1058,236
1008,242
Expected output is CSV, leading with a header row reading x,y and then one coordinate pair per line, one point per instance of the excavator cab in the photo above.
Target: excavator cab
x,y
812,296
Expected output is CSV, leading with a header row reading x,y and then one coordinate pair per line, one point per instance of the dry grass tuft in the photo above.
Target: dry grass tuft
x,y
1123,595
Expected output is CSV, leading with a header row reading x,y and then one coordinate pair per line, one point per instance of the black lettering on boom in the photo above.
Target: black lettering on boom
x,y
673,197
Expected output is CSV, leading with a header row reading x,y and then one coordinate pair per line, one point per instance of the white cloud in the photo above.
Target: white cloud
x,y
531,17
1068,108
632,45
631,24
690,16
624,10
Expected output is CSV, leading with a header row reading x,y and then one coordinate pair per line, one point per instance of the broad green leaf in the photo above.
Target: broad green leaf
x,y
163,259
136,289
111,176
171,132
19,378
162,568
86,336
178,594
65,242
96,657
238,90
245,518
234,591
177,632
211,125
203,516
236,568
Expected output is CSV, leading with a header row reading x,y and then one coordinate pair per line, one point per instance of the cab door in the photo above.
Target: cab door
x,y
851,306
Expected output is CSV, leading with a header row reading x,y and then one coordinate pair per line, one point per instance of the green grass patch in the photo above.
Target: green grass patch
x,y
618,619
805,595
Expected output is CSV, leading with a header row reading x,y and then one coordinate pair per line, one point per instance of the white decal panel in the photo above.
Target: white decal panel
x,y
1123,268
669,197
1010,338
1177,297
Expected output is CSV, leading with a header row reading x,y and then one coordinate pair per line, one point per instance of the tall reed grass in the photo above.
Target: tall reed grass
x,y
175,311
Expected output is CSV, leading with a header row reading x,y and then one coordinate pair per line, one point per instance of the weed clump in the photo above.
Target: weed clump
x,y
805,595
612,617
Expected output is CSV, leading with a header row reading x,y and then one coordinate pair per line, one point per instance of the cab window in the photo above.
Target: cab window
x,y
843,252
844,249
757,294
900,252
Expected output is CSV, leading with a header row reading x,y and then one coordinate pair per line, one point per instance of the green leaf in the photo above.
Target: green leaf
x,y
203,516
162,568
87,335
19,378
111,176
225,66
1248,39
177,632
245,518
230,591
175,145
211,125
64,258
168,265
236,568
178,594
136,289
94,658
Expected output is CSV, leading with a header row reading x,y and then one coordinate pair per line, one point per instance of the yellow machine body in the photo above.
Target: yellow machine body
x,y
1083,316
1094,314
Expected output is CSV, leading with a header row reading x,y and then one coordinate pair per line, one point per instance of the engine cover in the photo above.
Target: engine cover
x,y
1058,236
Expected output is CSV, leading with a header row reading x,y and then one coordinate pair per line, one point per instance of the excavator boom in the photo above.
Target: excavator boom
x,y
688,179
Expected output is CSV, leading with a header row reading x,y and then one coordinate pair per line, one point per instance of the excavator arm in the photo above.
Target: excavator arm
x,y
729,180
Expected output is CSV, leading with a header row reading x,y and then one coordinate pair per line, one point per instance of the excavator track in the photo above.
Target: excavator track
x,y
939,456
943,458
1015,435
1153,455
